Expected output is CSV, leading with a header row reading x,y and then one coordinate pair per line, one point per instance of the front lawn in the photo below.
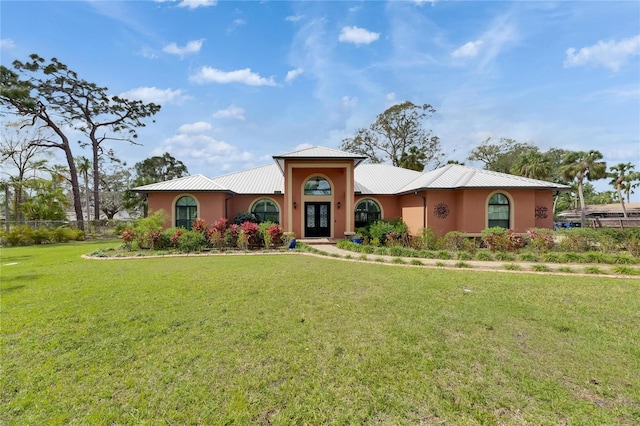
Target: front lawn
x,y
297,339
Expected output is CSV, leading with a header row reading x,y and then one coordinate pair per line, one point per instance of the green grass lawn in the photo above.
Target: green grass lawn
x,y
297,339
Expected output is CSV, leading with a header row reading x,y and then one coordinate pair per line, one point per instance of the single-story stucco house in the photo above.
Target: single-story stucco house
x,y
323,192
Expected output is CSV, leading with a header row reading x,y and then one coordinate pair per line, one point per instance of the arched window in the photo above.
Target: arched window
x,y
317,186
498,212
186,212
266,210
367,211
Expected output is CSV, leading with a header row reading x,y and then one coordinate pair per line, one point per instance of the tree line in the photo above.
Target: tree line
x,y
50,104
398,135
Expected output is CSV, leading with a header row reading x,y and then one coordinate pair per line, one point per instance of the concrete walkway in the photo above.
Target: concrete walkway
x,y
497,265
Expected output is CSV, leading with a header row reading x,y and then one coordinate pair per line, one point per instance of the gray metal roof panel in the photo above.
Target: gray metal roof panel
x,y
382,178
319,152
456,176
259,180
187,183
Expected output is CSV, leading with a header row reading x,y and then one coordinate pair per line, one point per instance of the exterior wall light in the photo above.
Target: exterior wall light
x,y
339,204
295,205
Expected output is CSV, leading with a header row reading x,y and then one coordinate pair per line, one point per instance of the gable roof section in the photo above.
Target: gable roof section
x,y
456,176
318,152
259,180
187,183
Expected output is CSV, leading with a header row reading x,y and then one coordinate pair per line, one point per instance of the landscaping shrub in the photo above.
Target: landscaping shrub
x,y
484,256
191,242
426,240
128,236
463,255
381,229
148,230
243,217
578,239
443,254
540,239
170,237
453,241
528,257
231,235
496,239
505,257
248,237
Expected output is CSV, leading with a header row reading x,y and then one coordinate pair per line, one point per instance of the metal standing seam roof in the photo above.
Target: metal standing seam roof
x,y
382,178
456,176
187,183
318,152
371,179
260,180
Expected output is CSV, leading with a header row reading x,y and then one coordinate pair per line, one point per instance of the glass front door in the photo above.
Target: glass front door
x,y
317,220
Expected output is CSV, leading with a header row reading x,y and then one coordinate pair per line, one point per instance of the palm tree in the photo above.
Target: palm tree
x,y
630,183
84,165
619,174
579,165
532,164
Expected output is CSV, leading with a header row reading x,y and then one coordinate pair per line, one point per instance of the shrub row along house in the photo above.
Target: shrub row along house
x,y
322,192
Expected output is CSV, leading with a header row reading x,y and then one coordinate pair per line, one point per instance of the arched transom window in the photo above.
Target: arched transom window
x,y
367,211
186,212
317,185
266,211
498,212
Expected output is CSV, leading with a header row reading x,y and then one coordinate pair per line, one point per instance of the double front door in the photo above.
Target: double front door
x,y
317,219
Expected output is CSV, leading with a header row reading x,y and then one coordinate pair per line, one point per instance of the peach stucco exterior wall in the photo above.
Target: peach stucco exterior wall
x,y
339,174
210,205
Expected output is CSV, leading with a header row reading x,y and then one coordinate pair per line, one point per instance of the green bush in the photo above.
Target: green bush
x,y
19,236
528,257
381,229
148,230
443,254
496,239
463,255
484,256
578,239
243,217
192,242
426,240
505,257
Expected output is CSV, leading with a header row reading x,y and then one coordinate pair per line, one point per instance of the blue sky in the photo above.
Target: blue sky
x,y
241,81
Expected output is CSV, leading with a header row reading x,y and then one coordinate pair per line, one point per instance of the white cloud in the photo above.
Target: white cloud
x,y
244,76
197,127
294,18
349,102
357,35
421,2
191,47
7,43
467,50
153,94
203,150
231,112
609,54
293,74
235,24
194,4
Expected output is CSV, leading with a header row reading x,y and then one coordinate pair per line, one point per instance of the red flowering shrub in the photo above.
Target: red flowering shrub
x,y
248,235
231,235
128,236
516,241
275,235
220,225
540,239
216,238
175,237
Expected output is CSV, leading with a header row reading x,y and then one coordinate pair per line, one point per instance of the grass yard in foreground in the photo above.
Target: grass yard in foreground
x,y
296,339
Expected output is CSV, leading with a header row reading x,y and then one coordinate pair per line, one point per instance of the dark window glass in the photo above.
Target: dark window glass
x,y
498,211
